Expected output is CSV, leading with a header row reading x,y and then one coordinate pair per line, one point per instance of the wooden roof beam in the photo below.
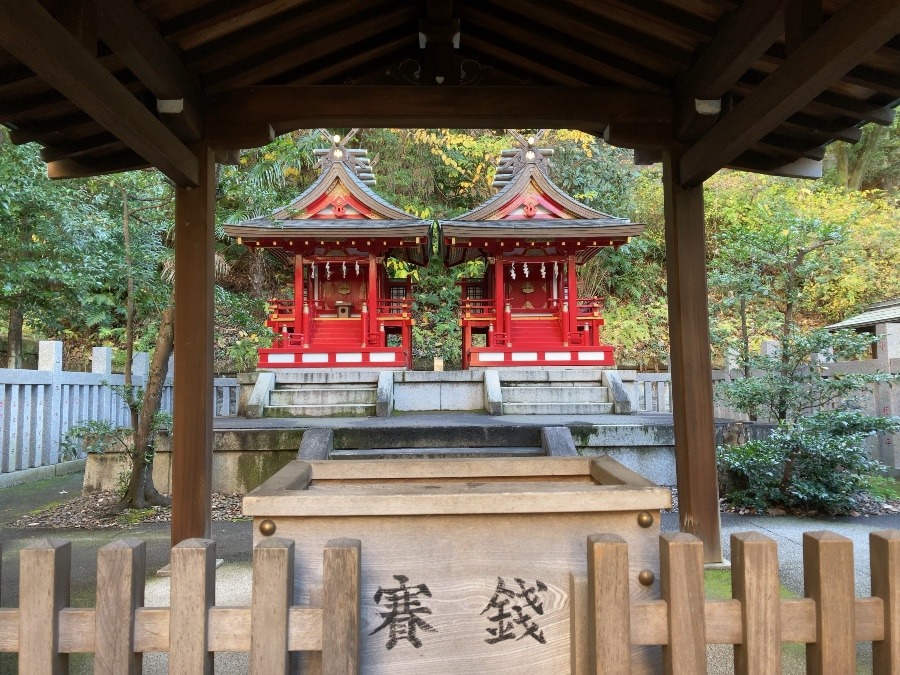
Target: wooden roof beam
x,y
828,102
740,40
858,29
34,37
244,117
132,37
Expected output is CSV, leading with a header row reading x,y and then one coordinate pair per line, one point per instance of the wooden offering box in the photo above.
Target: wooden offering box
x,y
468,565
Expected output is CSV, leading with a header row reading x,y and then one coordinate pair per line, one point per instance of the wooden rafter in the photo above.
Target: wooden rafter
x,y
615,69
294,55
129,33
34,37
858,29
740,41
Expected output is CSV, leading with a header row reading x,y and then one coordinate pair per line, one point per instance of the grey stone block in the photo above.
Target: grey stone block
x,y
617,391
384,398
493,394
316,444
557,442
259,397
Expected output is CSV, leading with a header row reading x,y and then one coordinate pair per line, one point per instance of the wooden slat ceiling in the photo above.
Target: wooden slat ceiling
x,y
630,69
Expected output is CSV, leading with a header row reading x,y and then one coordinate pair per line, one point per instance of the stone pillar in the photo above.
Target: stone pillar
x,y
50,358
887,398
101,360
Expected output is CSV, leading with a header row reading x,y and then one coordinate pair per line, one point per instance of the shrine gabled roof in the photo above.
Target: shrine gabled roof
x,y
531,207
531,175
339,206
334,174
544,229
268,228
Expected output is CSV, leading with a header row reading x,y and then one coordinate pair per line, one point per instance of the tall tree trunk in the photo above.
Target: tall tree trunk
x,y
141,490
867,149
14,338
257,272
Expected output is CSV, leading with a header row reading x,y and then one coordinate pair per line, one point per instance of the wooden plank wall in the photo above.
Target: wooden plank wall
x,y
44,630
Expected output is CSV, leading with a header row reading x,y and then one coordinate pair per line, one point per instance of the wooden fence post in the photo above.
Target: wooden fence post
x,y
828,579
273,593
755,583
193,592
609,605
120,591
884,560
44,568
681,586
340,607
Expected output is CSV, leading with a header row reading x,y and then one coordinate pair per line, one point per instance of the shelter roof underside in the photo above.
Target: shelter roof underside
x,y
134,82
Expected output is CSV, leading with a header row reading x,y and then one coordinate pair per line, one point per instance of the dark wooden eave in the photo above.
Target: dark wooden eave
x,y
109,85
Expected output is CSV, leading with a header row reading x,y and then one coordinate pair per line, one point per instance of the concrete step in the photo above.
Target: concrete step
x,y
322,395
435,453
475,436
330,377
553,394
557,408
553,376
321,410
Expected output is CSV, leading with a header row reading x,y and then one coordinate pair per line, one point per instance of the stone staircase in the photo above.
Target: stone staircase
x,y
442,442
323,394
554,392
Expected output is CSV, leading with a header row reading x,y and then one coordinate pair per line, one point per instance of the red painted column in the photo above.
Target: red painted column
x,y
298,296
572,282
372,292
499,299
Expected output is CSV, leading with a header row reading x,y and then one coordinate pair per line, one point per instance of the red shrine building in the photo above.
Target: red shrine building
x,y
346,310
532,236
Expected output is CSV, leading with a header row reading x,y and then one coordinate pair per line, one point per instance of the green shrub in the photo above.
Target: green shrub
x,y
818,462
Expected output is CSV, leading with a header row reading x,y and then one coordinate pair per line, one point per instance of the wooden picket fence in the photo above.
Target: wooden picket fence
x,y
830,619
44,630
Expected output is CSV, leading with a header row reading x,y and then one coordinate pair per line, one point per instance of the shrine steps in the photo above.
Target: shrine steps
x,y
323,394
336,332
439,442
563,392
535,333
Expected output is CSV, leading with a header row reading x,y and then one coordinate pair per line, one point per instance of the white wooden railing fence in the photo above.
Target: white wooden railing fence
x,y
38,407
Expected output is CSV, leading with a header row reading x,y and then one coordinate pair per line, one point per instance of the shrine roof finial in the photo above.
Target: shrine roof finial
x,y
512,161
355,159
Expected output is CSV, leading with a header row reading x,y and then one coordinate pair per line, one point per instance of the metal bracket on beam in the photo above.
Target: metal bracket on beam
x,y
170,106
708,106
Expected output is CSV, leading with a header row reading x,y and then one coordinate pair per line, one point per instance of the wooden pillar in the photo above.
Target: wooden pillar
x,y
298,295
692,402
499,299
193,406
572,283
